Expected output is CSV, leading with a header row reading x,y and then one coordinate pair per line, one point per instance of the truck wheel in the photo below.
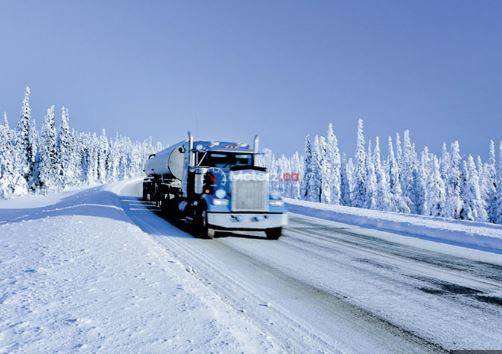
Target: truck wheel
x,y
202,228
145,193
274,234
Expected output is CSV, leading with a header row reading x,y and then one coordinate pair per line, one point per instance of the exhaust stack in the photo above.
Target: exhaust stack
x,y
190,148
256,144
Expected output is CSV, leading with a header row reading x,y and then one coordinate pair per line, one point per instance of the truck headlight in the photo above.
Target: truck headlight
x,y
277,203
220,193
220,201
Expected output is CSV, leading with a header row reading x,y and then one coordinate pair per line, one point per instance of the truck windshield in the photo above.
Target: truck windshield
x,y
224,159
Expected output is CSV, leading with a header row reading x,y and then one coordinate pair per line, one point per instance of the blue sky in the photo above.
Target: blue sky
x,y
229,69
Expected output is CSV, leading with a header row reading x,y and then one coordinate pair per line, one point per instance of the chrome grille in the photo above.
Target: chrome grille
x,y
249,194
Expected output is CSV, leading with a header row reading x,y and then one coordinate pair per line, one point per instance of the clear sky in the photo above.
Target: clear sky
x,y
229,69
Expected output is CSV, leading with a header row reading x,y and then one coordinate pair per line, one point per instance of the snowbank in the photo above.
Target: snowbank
x,y
77,274
481,236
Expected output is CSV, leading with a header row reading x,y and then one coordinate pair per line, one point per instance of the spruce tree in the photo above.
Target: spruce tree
x,y
399,153
296,169
347,181
103,152
436,197
325,170
371,181
24,140
49,163
315,194
308,170
399,201
489,183
68,156
383,199
7,160
421,185
473,206
333,162
453,183
408,172
359,192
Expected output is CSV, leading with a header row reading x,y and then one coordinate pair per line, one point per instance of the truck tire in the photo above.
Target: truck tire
x,y
202,229
145,192
274,234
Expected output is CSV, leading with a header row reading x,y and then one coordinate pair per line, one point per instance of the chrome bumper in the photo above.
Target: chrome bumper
x,y
246,221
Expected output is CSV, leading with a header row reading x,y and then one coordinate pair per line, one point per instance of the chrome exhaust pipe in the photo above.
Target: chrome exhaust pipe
x,y
256,144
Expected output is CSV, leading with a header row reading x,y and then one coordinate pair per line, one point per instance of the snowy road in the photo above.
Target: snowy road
x,y
99,270
330,287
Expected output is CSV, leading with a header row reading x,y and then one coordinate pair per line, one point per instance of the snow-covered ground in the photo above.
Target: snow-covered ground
x,y
100,270
476,235
77,275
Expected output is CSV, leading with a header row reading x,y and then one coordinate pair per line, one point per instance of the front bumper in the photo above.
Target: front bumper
x,y
246,221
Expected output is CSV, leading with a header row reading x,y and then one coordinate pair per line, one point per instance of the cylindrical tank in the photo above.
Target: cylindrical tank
x,y
168,162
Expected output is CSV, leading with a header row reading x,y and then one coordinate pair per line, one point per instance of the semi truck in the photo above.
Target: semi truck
x,y
214,186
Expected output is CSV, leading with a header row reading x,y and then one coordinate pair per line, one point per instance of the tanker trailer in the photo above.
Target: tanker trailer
x,y
213,186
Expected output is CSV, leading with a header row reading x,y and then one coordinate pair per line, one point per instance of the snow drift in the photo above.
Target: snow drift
x,y
476,235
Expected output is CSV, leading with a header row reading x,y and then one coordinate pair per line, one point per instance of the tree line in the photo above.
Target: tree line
x,y
56,159
447,185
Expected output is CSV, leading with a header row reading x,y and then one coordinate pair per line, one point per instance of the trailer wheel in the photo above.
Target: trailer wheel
x,y
274,234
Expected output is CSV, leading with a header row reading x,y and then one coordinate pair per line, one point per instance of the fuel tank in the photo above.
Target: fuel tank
x,y
167,163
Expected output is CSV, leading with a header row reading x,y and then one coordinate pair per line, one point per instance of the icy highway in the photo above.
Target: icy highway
x,y
329,287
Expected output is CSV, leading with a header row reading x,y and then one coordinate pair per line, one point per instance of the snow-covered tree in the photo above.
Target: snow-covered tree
x,y
488,181
453,183
12,181
296,175
68,157
371,180
421,180
359,192
114,158
473,206
383,197
49,163
310,178
324,167
444,162
436,196
24,143
409,172
315,183
399,202
333,166
103,152
347,181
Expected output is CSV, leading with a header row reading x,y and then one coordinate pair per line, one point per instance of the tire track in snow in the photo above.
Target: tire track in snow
x,y
280,317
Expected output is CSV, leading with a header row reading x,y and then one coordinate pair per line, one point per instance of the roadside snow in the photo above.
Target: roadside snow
x,y
479,236
77,275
